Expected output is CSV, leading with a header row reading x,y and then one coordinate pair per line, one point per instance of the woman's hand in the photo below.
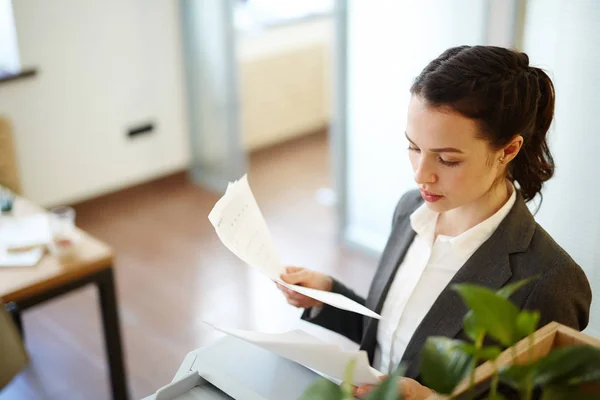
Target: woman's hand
x,y
307,278
410,389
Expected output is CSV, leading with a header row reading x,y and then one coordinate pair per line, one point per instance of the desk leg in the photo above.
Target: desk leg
x,y
112,334
15,313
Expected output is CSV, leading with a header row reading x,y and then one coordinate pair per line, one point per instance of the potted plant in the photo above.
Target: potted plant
x,y
554,362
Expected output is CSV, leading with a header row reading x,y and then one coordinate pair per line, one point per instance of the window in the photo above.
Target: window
x,y
9,50
258,14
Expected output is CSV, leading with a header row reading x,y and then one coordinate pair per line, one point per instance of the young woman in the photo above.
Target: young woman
x,y
476,132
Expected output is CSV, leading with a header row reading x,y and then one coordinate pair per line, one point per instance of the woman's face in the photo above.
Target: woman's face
x,y
452,165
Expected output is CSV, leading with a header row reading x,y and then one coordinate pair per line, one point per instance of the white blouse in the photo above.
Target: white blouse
x,y
424,273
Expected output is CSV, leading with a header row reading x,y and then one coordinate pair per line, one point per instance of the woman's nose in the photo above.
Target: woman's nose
x,y
424,174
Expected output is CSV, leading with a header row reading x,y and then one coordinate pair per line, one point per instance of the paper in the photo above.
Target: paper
x,y
333,299
24,232
300,347
242,229
27,258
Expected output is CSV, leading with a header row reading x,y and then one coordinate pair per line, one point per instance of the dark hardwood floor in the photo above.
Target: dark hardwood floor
x,y
172,273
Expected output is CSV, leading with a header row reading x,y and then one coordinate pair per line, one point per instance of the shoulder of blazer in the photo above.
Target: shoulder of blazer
x,y
544,256
532,251
562,293
407,204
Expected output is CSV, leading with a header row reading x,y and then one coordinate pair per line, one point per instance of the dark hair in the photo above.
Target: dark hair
x,y
498,88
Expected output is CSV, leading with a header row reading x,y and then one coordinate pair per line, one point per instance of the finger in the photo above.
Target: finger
x,y
406,388
285,290
292,268
291,294
295,303
296,277
363,390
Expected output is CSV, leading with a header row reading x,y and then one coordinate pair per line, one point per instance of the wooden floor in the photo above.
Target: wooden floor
x,y
172,273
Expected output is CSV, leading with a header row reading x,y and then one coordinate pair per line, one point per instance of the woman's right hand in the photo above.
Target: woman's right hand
x,y
307,278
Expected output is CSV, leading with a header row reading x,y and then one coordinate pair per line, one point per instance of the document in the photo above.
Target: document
x,y
242,228
27,258
303,348
24,232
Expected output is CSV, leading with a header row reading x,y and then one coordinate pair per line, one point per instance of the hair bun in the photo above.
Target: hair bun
x,y
524,60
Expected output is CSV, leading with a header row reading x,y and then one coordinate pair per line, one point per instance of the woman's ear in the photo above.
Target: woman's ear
x,y
511,150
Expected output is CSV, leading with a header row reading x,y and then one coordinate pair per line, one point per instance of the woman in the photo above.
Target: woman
x,y
477,124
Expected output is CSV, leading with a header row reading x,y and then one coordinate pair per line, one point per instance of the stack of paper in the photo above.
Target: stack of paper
x,y
312,352
23,239
242,229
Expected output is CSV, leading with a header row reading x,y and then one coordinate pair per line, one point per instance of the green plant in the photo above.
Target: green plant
x,y
563,373
323,389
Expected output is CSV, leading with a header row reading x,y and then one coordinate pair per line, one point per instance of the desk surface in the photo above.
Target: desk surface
x,y
91,255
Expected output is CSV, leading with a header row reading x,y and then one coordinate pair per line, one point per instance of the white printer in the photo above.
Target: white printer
x,y
234,369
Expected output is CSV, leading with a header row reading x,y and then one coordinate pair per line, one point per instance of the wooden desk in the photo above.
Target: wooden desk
x,y
22,288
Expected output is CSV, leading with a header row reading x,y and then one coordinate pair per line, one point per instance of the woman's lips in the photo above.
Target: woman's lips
x,y
430,197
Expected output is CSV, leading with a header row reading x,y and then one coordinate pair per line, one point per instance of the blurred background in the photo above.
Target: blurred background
x,y
138,112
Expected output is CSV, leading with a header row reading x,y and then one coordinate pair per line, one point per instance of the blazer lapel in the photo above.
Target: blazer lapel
x,y
401,237
489,266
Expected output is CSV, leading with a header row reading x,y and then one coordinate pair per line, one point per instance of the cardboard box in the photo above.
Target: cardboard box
x,y
545,339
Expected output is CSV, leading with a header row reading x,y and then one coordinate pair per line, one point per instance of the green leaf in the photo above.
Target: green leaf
x,y
484,353
508,290
346,386
496,396
516,376
527,322
389,389
473,330
493,312
587,374
443,364
322,389
556,393
574,364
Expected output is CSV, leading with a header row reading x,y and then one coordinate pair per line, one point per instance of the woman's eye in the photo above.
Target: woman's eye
x,y
448,163
411,148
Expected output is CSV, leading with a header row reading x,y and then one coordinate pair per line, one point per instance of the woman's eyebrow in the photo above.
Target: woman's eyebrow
x,y
438,150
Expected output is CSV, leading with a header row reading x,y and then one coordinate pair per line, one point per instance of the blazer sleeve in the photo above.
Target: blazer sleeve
x,y
344,322
563,294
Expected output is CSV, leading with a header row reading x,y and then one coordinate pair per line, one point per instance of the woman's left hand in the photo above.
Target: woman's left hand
x,y
410,389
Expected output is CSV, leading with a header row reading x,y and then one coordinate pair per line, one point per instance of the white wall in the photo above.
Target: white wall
x,y
388,45
564,38
104,65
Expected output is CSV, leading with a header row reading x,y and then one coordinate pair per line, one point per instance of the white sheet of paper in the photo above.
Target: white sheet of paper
x,y
27,258
24,232
243,230
311,352
334,299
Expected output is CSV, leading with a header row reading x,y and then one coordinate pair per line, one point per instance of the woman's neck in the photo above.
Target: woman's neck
x,y
458,220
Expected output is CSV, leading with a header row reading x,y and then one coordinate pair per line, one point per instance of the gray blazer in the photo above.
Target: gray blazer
x,y
519,248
